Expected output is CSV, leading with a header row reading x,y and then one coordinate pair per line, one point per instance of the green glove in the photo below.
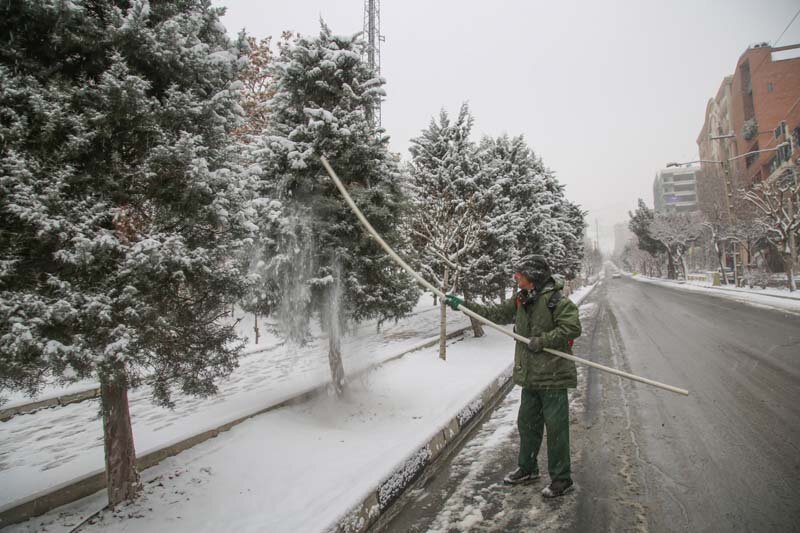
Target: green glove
x,y
453,301
536,344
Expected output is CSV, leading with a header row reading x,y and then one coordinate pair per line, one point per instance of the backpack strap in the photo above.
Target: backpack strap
x,y
552,302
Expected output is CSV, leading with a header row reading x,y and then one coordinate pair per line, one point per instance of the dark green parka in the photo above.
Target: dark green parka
x,y
540,370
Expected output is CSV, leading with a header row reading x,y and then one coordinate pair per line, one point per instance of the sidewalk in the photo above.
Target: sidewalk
x,y
789,302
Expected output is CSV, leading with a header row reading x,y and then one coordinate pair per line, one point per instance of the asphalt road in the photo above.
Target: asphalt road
x,y
727,458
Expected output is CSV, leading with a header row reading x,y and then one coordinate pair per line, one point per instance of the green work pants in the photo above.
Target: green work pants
x,y
540,408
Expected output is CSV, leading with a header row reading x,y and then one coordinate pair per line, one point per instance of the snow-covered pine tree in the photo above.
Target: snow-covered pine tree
x,y
316,260
530,215
448,200
504,163
120,223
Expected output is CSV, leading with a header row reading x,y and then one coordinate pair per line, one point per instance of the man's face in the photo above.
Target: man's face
x,y
522,281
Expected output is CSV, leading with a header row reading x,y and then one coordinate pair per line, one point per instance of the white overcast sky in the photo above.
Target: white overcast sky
x,y
606,92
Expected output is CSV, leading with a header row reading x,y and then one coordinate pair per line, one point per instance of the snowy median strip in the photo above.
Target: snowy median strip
x,y
86,480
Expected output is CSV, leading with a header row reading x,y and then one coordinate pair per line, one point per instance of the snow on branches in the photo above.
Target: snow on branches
x,y
314,260
122,218
776,201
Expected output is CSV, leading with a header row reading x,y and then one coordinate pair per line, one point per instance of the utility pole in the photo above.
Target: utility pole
x,y
596,235
372,33
727,178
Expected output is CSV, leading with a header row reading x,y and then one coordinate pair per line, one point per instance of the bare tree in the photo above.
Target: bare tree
x,y
717,222
677,232
443,231
777,202
635,259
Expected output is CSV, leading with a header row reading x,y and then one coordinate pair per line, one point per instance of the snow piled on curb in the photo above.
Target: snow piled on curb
x,y
391,489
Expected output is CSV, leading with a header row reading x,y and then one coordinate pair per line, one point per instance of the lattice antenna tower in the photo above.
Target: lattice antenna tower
x,y
372,34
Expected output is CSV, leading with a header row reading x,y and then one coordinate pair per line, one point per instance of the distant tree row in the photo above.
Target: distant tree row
x,y
762,226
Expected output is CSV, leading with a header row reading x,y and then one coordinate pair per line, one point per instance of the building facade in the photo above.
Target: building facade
x,y
765,112
675,189
751,133
716,185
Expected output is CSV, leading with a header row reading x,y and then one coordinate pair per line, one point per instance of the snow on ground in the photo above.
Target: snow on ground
x,y
17,398
464,509
474,504
755,297
53,446
300,468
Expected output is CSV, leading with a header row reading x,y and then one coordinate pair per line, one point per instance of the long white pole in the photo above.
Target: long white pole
x,y
422,281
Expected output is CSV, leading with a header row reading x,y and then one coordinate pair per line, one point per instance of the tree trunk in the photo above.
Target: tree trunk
x,y
503,296
122,477
719,260
789,266
670,266
443,319
477,327
335,339
255,325
335,361
684,268
435,299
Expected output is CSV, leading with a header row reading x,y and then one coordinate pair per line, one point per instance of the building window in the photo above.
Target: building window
x,y
769,87
773,164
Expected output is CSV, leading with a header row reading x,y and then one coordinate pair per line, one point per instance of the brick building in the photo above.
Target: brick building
x,y
751,132
765,111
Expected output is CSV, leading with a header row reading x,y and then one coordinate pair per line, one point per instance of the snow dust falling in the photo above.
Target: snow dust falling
x,y
295,286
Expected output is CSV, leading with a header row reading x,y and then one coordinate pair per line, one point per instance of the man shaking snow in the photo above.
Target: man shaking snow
x,y
549,320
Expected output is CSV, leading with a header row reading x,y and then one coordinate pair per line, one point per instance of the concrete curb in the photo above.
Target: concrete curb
x,y
93,482
56,401
378,508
